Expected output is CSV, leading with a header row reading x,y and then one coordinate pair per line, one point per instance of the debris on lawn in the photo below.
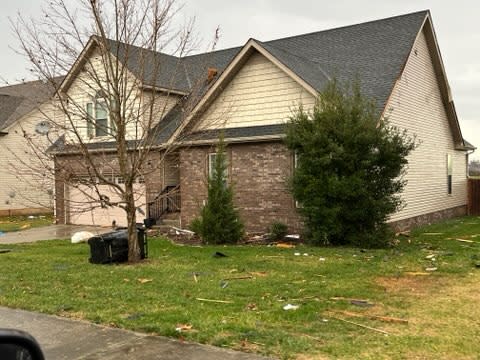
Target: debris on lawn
x,y
290,307
430,257
4,251
361,303
257,239
246,277
215,301
195,277
373,317
285,245
81,236
26,226
179,231
258,273
403,233
219,255
183,327
251,307
321,259
134,316
431,269
223,284
464,240
416,273
361,325
357,302
292,237
144,280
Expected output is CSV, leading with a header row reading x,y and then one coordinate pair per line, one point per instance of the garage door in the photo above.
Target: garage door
x,y
83,210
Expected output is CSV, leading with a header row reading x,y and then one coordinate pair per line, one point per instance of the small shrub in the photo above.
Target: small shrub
x,y
278,231
219,222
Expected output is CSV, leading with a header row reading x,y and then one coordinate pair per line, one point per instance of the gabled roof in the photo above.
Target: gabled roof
x,y
373,52
20,99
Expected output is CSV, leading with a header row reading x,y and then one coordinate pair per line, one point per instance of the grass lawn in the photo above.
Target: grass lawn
x,y
159,295
16,223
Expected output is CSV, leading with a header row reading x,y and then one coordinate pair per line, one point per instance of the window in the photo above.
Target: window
x,y
212,159
449,173
99,122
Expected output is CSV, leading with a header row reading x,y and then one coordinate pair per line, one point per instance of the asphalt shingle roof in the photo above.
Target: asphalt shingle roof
x,y
373,52
18,100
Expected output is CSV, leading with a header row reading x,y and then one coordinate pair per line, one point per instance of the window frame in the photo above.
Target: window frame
x,y
94,131
449,174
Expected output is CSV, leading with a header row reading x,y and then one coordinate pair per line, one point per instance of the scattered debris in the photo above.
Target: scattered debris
x,y
252,307
219,255
134,316
465,240
373,317
285,245
144,280
195,277
416,273
305,254
362,326
293,237
179,231
26,226
258,273
431,269
291,307
215,301
403,233
223,284
430,257
81,236
183,327
357,302
361,303
4,251
297,254
246,277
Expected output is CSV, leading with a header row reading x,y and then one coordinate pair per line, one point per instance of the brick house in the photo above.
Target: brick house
x,y
250,93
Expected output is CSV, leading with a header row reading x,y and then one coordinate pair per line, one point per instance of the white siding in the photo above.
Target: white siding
x,y
416,105
259,94
22,172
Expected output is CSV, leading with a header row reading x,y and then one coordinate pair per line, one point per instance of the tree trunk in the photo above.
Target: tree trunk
x,y
133,246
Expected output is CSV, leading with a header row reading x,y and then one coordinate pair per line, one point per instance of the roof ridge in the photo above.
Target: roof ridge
x,y
349,26
300,57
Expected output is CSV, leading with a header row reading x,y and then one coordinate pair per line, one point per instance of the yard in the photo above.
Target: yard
x,y
16,223
429,279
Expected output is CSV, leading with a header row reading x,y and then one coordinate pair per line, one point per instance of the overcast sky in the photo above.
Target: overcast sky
x,y
456,23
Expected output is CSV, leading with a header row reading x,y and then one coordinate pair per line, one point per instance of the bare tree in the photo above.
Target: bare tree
x,y
112,83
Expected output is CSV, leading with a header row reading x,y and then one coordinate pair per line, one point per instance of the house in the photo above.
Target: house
x,y
25,187
249,92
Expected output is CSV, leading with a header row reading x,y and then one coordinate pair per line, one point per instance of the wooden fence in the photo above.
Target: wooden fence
x,y
474,196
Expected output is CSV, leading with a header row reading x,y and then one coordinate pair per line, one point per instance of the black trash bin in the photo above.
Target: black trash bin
x,y
112,247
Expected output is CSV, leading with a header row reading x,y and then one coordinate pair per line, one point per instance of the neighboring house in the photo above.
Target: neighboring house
x,y
251,92
25,184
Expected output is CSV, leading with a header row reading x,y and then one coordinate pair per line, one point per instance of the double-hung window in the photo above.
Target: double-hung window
x,y
212,160
99,122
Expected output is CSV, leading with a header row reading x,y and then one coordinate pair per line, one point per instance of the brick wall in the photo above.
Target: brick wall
x,y
259,173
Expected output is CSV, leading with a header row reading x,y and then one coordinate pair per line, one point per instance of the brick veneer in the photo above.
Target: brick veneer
x,y
259,173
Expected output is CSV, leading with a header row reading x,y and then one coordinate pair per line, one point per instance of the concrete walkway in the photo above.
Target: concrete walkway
x,y
62,338
48,233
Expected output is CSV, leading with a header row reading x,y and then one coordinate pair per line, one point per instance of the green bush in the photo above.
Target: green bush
x,y
278,231
219,222
350,166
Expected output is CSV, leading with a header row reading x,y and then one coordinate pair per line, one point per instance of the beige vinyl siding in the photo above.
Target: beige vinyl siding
x,y
22,173
259,94
83,89
416,105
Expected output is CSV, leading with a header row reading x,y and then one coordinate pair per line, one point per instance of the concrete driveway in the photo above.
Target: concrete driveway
x,y
48,233
62,338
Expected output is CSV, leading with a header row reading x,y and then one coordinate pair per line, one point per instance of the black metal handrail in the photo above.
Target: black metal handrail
x,y
167,201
